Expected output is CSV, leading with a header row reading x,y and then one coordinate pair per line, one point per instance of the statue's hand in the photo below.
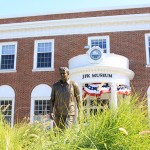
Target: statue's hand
x,y
52,116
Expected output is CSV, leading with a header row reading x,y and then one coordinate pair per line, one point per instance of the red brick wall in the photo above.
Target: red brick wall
x,y
128,44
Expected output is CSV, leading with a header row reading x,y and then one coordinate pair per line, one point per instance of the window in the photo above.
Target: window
x,y
41,111
6,108
40,104
147,43
44,55
7,98
8,53
41,108
101,41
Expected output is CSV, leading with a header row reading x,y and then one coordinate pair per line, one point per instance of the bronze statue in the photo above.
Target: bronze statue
x,y
64,98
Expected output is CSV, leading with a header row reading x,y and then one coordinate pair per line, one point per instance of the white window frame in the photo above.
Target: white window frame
x,y
12,114
100,37
32,111
147,50
15,59
35,56
33,104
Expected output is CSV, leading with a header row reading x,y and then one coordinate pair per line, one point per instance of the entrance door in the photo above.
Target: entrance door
x,y
92,105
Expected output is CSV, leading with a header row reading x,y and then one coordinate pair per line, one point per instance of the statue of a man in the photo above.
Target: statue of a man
x,y
64,98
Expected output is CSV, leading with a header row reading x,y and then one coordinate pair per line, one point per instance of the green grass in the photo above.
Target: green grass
x,y
109,130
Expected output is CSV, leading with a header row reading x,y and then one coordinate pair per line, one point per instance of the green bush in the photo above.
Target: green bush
x,y
125,128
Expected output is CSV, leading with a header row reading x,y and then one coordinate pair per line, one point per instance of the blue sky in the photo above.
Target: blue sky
x,y
12,8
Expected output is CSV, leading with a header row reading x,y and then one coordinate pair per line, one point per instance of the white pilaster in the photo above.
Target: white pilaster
x,y
113,101
80,88
81,92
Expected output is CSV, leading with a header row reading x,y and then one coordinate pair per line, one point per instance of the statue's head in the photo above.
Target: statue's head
x,y
64,72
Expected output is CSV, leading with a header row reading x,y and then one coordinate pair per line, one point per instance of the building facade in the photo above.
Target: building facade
x,y
32,49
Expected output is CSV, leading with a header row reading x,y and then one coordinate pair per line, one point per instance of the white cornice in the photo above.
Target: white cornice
x,y
87,25
76,21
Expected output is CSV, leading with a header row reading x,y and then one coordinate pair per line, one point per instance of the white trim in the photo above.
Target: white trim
x,y
15,59
100,37
147,49
44,69
8,71
118,23
35,56
32,110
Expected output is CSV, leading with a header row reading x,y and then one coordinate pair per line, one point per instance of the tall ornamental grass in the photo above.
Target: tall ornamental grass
x,y
125,128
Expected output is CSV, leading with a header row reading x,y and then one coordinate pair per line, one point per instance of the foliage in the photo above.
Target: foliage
x,y
125,128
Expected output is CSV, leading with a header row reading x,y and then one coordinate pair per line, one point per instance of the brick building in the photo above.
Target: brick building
x,y
32,49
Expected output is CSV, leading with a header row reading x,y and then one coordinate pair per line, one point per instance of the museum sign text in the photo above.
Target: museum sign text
x,y
97,75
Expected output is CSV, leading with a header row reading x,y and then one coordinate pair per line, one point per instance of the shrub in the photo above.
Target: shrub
x,y
125,128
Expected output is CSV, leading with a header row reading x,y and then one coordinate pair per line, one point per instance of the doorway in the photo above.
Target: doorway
x,y
92,105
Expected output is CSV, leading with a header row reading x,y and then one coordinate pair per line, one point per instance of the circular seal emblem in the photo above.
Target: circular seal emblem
x,y
95,54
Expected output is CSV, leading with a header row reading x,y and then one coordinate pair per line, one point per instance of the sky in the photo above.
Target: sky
x,y
16,8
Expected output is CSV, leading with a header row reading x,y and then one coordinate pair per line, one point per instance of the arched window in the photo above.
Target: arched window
x,y
7,99
40,102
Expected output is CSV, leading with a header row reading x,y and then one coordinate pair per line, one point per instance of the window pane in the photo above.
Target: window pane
x,y
42,107
7,62
7,57
8,119
99,42
8,49
44,47
43,60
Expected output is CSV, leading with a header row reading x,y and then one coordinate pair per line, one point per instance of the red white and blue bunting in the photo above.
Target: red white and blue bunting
x,y
123,89
97,89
